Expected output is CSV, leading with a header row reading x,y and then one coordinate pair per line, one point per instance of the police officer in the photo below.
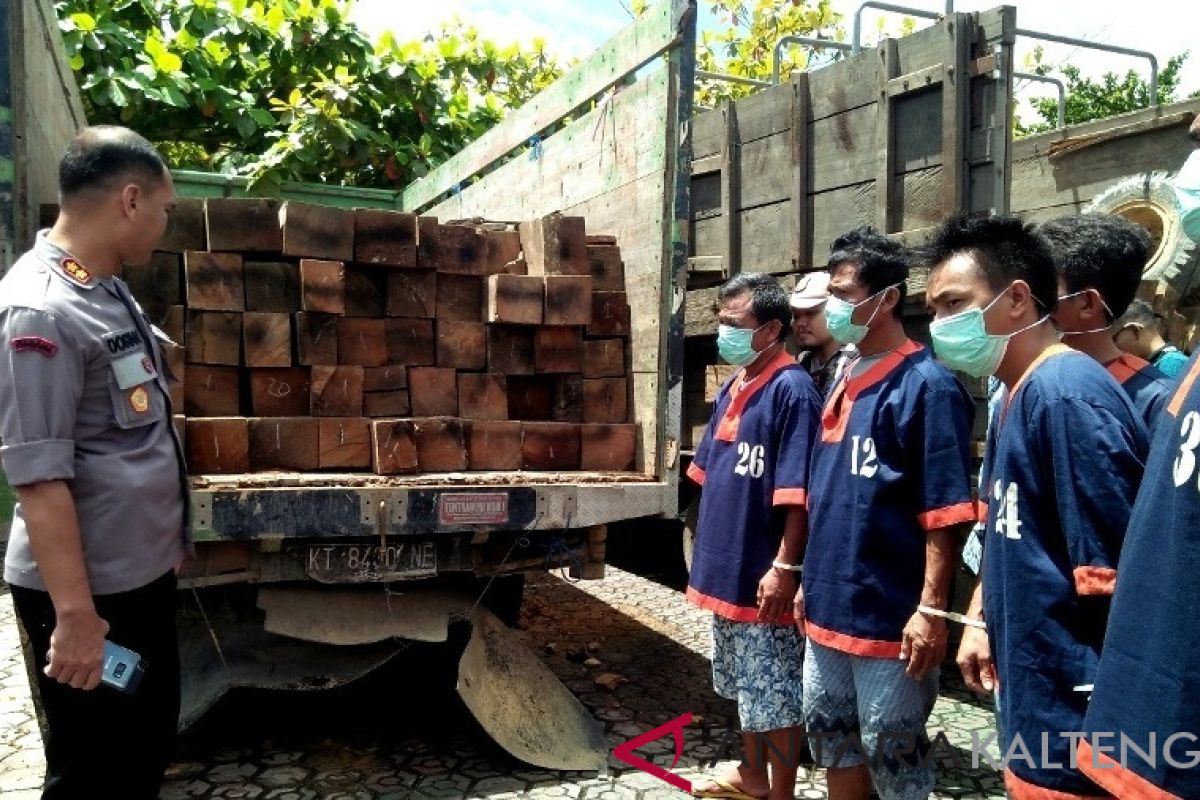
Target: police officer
x,y
89,445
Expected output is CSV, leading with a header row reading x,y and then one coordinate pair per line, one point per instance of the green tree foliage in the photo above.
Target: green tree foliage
x,y
1112,94
745,45
291,89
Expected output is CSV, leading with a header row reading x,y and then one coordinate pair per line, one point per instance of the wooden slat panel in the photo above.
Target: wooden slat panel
x,y
637,44
799,172
731,249
884,136
955,85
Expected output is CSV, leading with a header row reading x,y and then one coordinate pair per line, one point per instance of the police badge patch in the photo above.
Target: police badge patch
x,y
139,400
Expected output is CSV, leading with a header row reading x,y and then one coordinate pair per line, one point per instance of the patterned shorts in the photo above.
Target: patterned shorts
x,y
760,666
867,711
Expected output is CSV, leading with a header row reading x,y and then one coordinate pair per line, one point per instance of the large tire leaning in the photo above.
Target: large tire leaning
x,y
1149,200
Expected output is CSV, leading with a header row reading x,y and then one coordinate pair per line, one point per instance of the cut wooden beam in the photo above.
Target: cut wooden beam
x,y
568,300
606,267
494,445
266,339
516,267
510,350
156,283
568,401
185,230
316,339
366,291
385,379
433,391
515,299
245,224
482,395
322,286
311,231
393,446
550,446
503,248
412,293
218,445
601,239
604,358
460,298
285,443
558,349
610,314
461,345
385,237
280,392
607,448
605,400
214,281
272,286
171,320
214,337
211,392
555,245
337,391
362,341
386,404
409,341
531,398
441,444
344,443
462,250
427,242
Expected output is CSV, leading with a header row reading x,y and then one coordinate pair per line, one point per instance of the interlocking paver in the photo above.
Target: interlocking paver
x,y
356,747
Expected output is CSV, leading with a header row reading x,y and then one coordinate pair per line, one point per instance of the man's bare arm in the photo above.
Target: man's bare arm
x,y
77,643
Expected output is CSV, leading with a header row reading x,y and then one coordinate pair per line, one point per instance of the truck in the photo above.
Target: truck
x,y
897,136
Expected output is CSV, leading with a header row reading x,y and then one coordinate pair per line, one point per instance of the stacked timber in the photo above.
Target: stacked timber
x,y
314,338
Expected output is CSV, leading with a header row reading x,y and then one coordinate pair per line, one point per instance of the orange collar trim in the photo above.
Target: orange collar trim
x,y
1043,357
857,384
740,394
1125,367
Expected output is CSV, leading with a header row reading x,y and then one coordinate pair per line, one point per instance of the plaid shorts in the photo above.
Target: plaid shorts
x,y
868,711
761,667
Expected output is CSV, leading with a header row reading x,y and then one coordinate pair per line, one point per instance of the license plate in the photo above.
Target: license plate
x,y
361,563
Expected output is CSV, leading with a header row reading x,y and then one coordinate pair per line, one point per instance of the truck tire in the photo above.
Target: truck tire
x,y
1149,200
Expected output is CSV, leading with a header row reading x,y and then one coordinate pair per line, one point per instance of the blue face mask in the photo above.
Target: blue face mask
x,y
962,342
837,318
1187,192
736,345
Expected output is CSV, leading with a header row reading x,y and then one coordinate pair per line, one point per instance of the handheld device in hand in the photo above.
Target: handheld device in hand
x,y
123,668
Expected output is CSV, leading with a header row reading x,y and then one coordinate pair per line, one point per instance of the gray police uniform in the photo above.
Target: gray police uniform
x,y
83,399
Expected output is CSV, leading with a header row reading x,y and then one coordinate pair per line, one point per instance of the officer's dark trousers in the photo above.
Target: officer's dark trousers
x,y
103,743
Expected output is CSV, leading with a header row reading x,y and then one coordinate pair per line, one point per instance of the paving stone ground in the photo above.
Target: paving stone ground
x,y
403,733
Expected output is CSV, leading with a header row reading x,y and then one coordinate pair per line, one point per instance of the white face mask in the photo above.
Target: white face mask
x,y
1063,334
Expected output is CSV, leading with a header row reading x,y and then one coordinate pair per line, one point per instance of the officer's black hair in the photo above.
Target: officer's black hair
x,y
1004,249
880,262
101,156
1105,252
768,301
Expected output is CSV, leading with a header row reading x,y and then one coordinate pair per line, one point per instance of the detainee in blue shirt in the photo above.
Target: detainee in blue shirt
x,y
753,466
1139,333
1065,454
1100,258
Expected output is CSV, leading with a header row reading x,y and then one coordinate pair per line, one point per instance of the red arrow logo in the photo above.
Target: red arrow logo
x,y
675,727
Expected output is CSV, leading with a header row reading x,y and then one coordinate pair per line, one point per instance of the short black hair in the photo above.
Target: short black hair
x,y
880,262
1003,247
768,300
1140,313
1105,252
102,155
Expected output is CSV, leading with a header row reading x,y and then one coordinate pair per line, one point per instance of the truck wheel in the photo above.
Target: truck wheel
x,y
503,598
690,519
1149,200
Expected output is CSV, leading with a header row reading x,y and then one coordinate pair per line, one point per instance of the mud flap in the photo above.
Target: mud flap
x,y
522,704
517,699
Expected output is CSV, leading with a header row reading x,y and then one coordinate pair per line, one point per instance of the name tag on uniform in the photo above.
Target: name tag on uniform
x,y
133,369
